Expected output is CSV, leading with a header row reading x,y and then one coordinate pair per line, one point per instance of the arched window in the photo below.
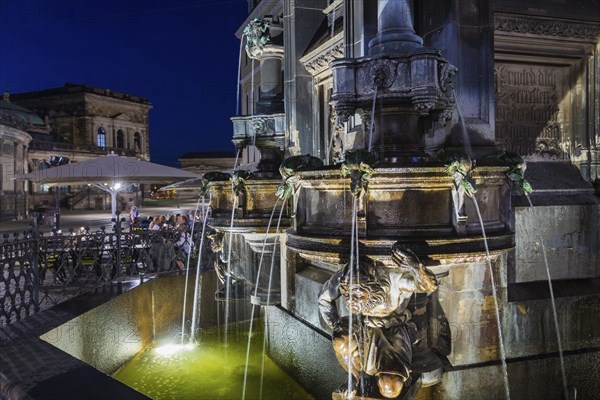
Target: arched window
x,y
101,137
120,139
137,141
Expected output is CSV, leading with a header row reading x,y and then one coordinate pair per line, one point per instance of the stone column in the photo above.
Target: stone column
x,y
395,33
301,19
464,32
271,94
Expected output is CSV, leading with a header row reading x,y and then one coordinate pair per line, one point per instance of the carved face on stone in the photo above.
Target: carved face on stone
x,y
216,242
363,297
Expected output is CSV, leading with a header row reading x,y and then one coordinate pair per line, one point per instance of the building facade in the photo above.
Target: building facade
x,y
200,162
17,125
78,122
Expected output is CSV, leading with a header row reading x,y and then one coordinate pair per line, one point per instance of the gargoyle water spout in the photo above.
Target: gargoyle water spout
x,y
213,176
238,181
459,166
518,166
359,165
288,170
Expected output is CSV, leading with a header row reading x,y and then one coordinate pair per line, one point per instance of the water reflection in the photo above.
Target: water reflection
x,y
208,370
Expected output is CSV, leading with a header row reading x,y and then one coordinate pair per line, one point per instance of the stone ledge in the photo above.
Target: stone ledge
x,y
31,368
538,290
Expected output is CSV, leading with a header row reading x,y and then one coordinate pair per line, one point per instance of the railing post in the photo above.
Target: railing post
x,y
118,230
35,263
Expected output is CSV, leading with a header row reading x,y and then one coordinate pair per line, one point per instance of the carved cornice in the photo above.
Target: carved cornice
x,y
112,100
335,5
318,59
546,26
258,126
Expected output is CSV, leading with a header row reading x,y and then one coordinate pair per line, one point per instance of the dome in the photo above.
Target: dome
x,y
27,116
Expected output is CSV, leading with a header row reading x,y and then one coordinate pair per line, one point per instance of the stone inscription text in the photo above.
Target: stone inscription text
x,y
527,112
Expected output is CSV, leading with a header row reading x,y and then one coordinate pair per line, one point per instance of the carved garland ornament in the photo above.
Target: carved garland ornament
x,y
546,27
424,106
320,63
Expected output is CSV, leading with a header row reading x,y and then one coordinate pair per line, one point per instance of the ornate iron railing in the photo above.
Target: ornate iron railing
x,y
39,271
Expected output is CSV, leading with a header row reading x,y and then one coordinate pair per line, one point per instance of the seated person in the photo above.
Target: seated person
x,y
155,225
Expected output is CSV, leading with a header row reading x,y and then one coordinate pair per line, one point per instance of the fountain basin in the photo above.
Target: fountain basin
x,y
401,202
68,350
255,202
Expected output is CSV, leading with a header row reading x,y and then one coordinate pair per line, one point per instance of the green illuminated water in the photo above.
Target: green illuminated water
x,y
208,371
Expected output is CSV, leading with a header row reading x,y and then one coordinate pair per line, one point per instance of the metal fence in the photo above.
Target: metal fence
x,y
39,271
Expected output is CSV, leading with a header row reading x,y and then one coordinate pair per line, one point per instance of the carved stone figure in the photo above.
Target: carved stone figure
x,y
336,145
238,287
383,333
257,36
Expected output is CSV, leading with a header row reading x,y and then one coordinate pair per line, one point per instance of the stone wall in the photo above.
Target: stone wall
x,y
111,334
304,353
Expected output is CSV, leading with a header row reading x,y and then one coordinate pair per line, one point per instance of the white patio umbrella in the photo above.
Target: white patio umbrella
x,y
197,183
190,184
111,173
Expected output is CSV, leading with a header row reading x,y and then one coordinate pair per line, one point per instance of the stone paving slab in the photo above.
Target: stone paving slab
x,y
31,368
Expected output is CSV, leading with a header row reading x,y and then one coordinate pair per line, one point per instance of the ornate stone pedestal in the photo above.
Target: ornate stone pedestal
x,y
249,248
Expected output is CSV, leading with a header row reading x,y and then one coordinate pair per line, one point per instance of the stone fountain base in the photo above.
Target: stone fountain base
x,y
254,207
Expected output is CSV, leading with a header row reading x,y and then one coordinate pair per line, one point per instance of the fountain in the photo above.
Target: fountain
x,y
419,178
410,266
420,184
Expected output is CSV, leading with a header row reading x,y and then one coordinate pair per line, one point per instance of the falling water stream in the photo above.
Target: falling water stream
x,y
556,326
353,244
253,111
372,118
260,262
496,306
239,72
228,280
266,330
463,128
187,269
198,282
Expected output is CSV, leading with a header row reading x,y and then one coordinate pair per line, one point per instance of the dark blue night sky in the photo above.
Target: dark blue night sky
x,y
180,54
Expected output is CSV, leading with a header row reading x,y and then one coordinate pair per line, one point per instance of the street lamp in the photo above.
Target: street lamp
x,y
57,161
